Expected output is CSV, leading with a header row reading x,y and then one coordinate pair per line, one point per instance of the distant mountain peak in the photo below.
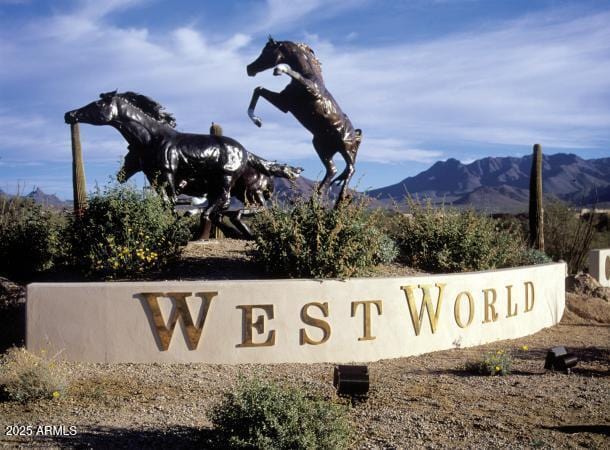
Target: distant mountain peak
x,y
39,196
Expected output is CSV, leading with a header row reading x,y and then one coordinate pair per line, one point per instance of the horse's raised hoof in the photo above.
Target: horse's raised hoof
x,y
257,121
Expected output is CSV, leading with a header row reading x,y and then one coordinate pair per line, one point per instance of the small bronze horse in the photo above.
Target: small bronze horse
x,y
175,162
309,101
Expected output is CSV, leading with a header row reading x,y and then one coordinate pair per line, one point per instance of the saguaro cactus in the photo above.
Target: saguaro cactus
x,y
78,171
536,240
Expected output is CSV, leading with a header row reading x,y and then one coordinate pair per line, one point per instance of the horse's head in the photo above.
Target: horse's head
x,y
271,56
100,112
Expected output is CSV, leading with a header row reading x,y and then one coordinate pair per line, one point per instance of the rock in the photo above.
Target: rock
x,y
585,284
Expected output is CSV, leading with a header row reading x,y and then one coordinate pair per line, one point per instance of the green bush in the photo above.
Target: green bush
x,y
264,415
311,239
25,376
30,236
124,233
443,239
531,256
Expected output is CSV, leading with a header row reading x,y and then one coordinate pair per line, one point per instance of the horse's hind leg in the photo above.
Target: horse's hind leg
x,y
346,175
327,160
349,155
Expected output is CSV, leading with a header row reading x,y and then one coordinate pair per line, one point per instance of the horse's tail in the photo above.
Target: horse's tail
x,y
271,168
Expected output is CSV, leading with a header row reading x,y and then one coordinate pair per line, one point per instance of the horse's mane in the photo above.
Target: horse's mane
x,y
311,56
149,106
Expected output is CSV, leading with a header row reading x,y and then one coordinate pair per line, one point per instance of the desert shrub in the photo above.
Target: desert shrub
x,y
125,232
601,237
443,239
265,415
493,363
25,376
567,236
531,256
311,239
30,236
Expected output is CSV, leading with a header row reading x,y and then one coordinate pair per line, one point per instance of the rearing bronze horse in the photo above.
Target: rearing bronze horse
x,y
309,101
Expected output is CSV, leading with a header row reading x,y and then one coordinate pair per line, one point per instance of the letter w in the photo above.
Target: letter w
x,y
180,311
418,317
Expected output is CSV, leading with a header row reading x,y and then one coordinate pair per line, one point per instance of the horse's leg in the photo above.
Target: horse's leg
x,y
346,175
309,85
327,160
275,98
349,152
221,202
241,226
169,182
131,166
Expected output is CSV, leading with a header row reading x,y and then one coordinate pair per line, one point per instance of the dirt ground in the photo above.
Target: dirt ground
x,y
428,401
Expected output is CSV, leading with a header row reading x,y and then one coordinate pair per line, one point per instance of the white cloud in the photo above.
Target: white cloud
x,y
282,15
517,84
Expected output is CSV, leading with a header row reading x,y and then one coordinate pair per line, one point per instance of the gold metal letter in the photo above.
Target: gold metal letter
x,y
489,305
512,312
180,311
259,326
433,314
367,336
529,306
319,323
456,309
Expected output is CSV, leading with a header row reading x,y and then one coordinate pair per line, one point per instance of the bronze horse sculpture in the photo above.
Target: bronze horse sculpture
x,y
312,105
175,162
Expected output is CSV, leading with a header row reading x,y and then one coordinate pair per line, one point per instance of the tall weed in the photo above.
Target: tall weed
x,y
567,235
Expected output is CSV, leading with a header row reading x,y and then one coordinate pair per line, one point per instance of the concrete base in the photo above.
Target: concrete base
x,y
599,265
274,321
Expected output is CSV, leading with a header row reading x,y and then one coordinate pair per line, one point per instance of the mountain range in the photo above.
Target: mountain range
x,y
502,183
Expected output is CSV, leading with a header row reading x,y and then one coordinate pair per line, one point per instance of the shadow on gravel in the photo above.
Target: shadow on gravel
x,y
124,438
12,331
584,354
571,429
12,313
466,373
213,268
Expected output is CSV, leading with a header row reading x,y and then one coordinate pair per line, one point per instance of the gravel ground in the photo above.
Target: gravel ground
x,y
427,401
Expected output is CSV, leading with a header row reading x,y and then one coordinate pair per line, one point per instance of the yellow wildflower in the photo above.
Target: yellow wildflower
x,y
525,348
498,368
56,394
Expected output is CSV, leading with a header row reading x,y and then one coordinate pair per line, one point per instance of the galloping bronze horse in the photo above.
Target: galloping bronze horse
x,y
309,101
175,162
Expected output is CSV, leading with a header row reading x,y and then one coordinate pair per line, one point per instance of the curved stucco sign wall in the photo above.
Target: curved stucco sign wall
x,y
276,321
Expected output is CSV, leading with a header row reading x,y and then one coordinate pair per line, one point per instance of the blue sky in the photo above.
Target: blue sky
x,y
426,80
